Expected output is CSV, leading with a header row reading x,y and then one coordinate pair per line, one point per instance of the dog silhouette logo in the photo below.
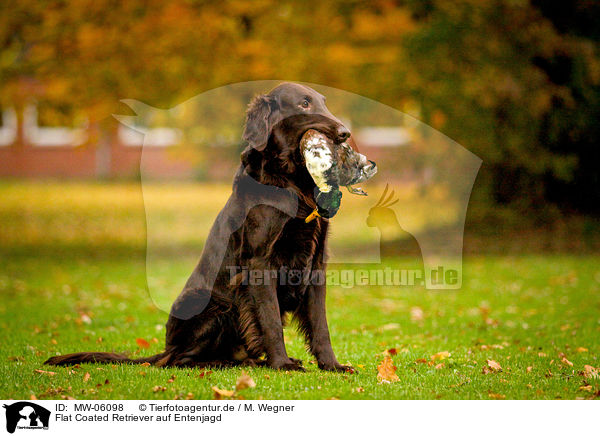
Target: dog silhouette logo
x,y
26,415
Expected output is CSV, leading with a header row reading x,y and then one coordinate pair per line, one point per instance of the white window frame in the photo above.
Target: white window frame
x,y
8,130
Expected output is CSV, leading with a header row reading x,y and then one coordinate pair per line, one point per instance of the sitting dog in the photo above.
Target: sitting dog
x,y
265,255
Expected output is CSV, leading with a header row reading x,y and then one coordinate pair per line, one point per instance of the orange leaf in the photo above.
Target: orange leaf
x,y
387,371
566,361
441,355
86,377
221,394
142,343
244,382
590,372
494,366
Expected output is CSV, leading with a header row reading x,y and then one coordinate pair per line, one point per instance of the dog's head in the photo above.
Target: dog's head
x,y
284,101
307,152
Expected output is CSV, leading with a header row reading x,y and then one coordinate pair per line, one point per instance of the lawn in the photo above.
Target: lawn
x,y
72,278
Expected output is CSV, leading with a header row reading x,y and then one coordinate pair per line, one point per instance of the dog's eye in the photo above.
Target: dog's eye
x,y
305,104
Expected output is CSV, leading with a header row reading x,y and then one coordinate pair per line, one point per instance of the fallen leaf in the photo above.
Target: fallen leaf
x,y
440,365
492,366
86,376
33,397
590,372
566,361
221,394
146,364
172,379
41,371
386,371
392,351
441,355
496,396
540,354
142,343
587,388
159,389
244,382
581,350
529,368
360,389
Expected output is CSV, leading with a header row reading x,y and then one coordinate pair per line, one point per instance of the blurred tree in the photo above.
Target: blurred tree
x,y
519,85
515,81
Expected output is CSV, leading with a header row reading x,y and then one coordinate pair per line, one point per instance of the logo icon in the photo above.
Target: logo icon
x,y
26,415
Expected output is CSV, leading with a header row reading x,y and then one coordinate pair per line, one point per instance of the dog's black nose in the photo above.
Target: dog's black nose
x,y
342,133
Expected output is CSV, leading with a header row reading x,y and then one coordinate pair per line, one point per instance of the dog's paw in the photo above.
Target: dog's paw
x,y
298,361
253,362
289,365
336,367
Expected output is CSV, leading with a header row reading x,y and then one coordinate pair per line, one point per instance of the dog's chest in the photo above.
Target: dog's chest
x,y
297,248
298,244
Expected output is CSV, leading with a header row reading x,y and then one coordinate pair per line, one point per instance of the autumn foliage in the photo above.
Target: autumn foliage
x,y
516,82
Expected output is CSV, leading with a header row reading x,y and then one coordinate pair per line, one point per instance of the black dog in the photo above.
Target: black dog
x,y
233,307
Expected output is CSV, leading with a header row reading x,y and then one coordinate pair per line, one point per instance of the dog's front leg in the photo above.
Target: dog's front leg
x,y
312,317
264,294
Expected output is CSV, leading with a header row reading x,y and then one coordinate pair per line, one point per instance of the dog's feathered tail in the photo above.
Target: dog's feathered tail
x,y
99,357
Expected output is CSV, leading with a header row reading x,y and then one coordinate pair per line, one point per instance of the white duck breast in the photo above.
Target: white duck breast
x,y
318,158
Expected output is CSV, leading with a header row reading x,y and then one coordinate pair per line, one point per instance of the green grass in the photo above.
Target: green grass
x,y
83,291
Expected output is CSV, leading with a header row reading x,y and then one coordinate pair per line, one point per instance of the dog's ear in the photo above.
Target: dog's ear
x,y
258,125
